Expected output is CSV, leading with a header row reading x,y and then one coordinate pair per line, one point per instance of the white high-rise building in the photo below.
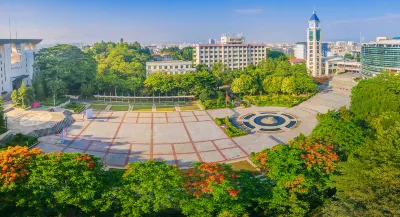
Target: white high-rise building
x,y
314,46
301,50
16,63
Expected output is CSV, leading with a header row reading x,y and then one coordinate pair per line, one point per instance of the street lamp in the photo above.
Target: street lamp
x,y
5,118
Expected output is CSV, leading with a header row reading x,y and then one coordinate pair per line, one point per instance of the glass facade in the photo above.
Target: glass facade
x,y
376,58
311,35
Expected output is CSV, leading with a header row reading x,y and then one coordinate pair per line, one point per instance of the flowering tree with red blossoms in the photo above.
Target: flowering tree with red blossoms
x,y
300,169
214,188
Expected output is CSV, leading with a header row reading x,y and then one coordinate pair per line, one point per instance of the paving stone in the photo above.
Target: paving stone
x,y
184,148
116,159
72,150
186,160
174,120
160,120
204,118
187,114
140,149
144,120
144,115
138,158
233,153
159,115
49,147
120,148
162,149
99,146
80,144
169,159
224,143
211,156
96,153
189,119
205,146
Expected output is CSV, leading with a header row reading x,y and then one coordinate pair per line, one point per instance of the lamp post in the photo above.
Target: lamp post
x,y
5,118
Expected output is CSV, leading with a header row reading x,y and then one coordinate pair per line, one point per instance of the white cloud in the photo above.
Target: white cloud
x,y
384,17
250,11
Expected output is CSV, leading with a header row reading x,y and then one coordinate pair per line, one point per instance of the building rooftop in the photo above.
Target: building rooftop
x,y
169,61
314,17
296,60
20,41
227,45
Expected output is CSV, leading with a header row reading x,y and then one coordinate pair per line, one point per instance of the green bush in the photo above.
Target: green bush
x,y
77,107
230,129
216,103
20,139
277,100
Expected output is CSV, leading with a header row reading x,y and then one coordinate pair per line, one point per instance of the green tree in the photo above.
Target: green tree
x,y
215,188
218,70
282,69
300,173
336,127
348,56
369,182
66,64
288,85
60,181
3,126
272,84
245,84
27,94
15,97
149,188
372,97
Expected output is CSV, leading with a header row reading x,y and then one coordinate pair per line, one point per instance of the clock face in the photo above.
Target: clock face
x,y
312,25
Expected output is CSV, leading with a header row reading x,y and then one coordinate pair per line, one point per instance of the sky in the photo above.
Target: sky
x,y
192,21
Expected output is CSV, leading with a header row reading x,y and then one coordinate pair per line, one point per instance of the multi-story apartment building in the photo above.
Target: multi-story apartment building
x,y
381,55
233,52
314,46
16,63
333,65
169,67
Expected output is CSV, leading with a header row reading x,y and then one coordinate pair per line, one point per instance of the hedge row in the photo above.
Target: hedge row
x,y
277,100
215,103
230,129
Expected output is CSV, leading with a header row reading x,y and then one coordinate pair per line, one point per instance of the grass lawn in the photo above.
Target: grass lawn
x,y
142,107
165,108
119,108
189,107
98,107
49,101
243,165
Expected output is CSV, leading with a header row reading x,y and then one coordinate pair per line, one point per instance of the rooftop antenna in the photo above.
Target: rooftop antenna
x,y
9,26
16,30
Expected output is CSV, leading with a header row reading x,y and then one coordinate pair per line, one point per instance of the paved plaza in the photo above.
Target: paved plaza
x,y
183,138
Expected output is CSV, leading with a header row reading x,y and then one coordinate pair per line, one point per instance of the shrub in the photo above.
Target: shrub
x,y
277,100
20,139
230,129
214,104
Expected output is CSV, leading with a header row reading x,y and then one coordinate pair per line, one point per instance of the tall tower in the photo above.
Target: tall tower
x,y
314,46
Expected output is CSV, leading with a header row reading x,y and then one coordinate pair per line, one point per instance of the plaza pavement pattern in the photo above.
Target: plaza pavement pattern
x,y
183,138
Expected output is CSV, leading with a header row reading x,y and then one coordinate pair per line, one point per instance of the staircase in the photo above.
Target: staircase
x,y
57,128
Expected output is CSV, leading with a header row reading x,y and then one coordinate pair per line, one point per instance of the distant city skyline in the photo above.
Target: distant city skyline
x,y
178,21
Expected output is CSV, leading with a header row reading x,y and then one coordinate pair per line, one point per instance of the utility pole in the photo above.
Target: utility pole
x,y
54,100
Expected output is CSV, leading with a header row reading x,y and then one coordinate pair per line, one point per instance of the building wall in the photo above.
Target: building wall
x,y
235,56
169,67
16,60
301,50
378,57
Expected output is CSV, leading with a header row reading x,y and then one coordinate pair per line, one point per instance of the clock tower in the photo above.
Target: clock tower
x,y
314,46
